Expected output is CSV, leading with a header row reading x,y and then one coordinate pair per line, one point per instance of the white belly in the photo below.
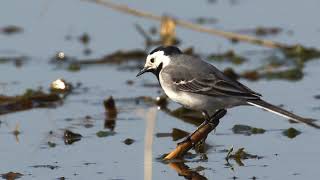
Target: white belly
x,y
183,98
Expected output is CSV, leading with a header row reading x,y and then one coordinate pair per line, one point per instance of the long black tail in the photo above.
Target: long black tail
x,y
281,112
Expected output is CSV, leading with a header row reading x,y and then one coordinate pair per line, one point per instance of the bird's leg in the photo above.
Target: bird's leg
x,y
206,121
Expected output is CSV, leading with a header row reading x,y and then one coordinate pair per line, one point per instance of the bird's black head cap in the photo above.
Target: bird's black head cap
x,y
168,50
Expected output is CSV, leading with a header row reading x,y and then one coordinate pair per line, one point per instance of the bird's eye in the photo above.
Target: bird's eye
x,y
152,60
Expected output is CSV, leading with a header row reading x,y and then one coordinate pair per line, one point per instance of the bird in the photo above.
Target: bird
x,y
200,86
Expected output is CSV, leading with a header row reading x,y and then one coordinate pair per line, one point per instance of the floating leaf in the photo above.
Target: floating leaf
x,y
246,130
128,141
105,133
291,132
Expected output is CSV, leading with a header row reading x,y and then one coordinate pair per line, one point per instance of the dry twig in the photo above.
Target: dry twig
x,y
197,136
229,35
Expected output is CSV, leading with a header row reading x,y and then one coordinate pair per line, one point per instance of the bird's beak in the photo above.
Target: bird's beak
x,y
144,70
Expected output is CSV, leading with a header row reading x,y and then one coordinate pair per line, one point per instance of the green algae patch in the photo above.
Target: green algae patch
x,y
247,130
291,133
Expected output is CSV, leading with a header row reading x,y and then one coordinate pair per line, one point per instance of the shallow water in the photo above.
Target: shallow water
x,y
46,23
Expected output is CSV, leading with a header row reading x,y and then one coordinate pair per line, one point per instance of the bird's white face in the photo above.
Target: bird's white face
x,y
154,61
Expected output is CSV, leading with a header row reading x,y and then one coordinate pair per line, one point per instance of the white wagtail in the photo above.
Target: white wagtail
x,y
198,85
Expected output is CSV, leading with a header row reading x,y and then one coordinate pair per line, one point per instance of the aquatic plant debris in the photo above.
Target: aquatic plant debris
x,y
291,74
74,67
229,35
228,56
51,144
239,155
246,130
128,141
18,61
291,133
297,53
71,137
52,167
28,100
11,29
74,64
84,38
11,175
101,134
300,53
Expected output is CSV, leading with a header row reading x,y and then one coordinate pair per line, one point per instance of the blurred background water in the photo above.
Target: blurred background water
x,y
53,26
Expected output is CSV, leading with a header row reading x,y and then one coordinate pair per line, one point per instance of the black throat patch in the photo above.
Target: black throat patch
x,y
156,72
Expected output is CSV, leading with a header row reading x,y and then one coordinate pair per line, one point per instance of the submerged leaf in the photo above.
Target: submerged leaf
x,y
247,130
105,133
291,132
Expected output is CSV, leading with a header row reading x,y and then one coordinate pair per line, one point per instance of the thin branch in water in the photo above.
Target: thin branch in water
x,y
197,136
229,35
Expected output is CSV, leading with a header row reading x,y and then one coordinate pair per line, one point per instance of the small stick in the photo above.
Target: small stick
x,y
197,136
229,35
